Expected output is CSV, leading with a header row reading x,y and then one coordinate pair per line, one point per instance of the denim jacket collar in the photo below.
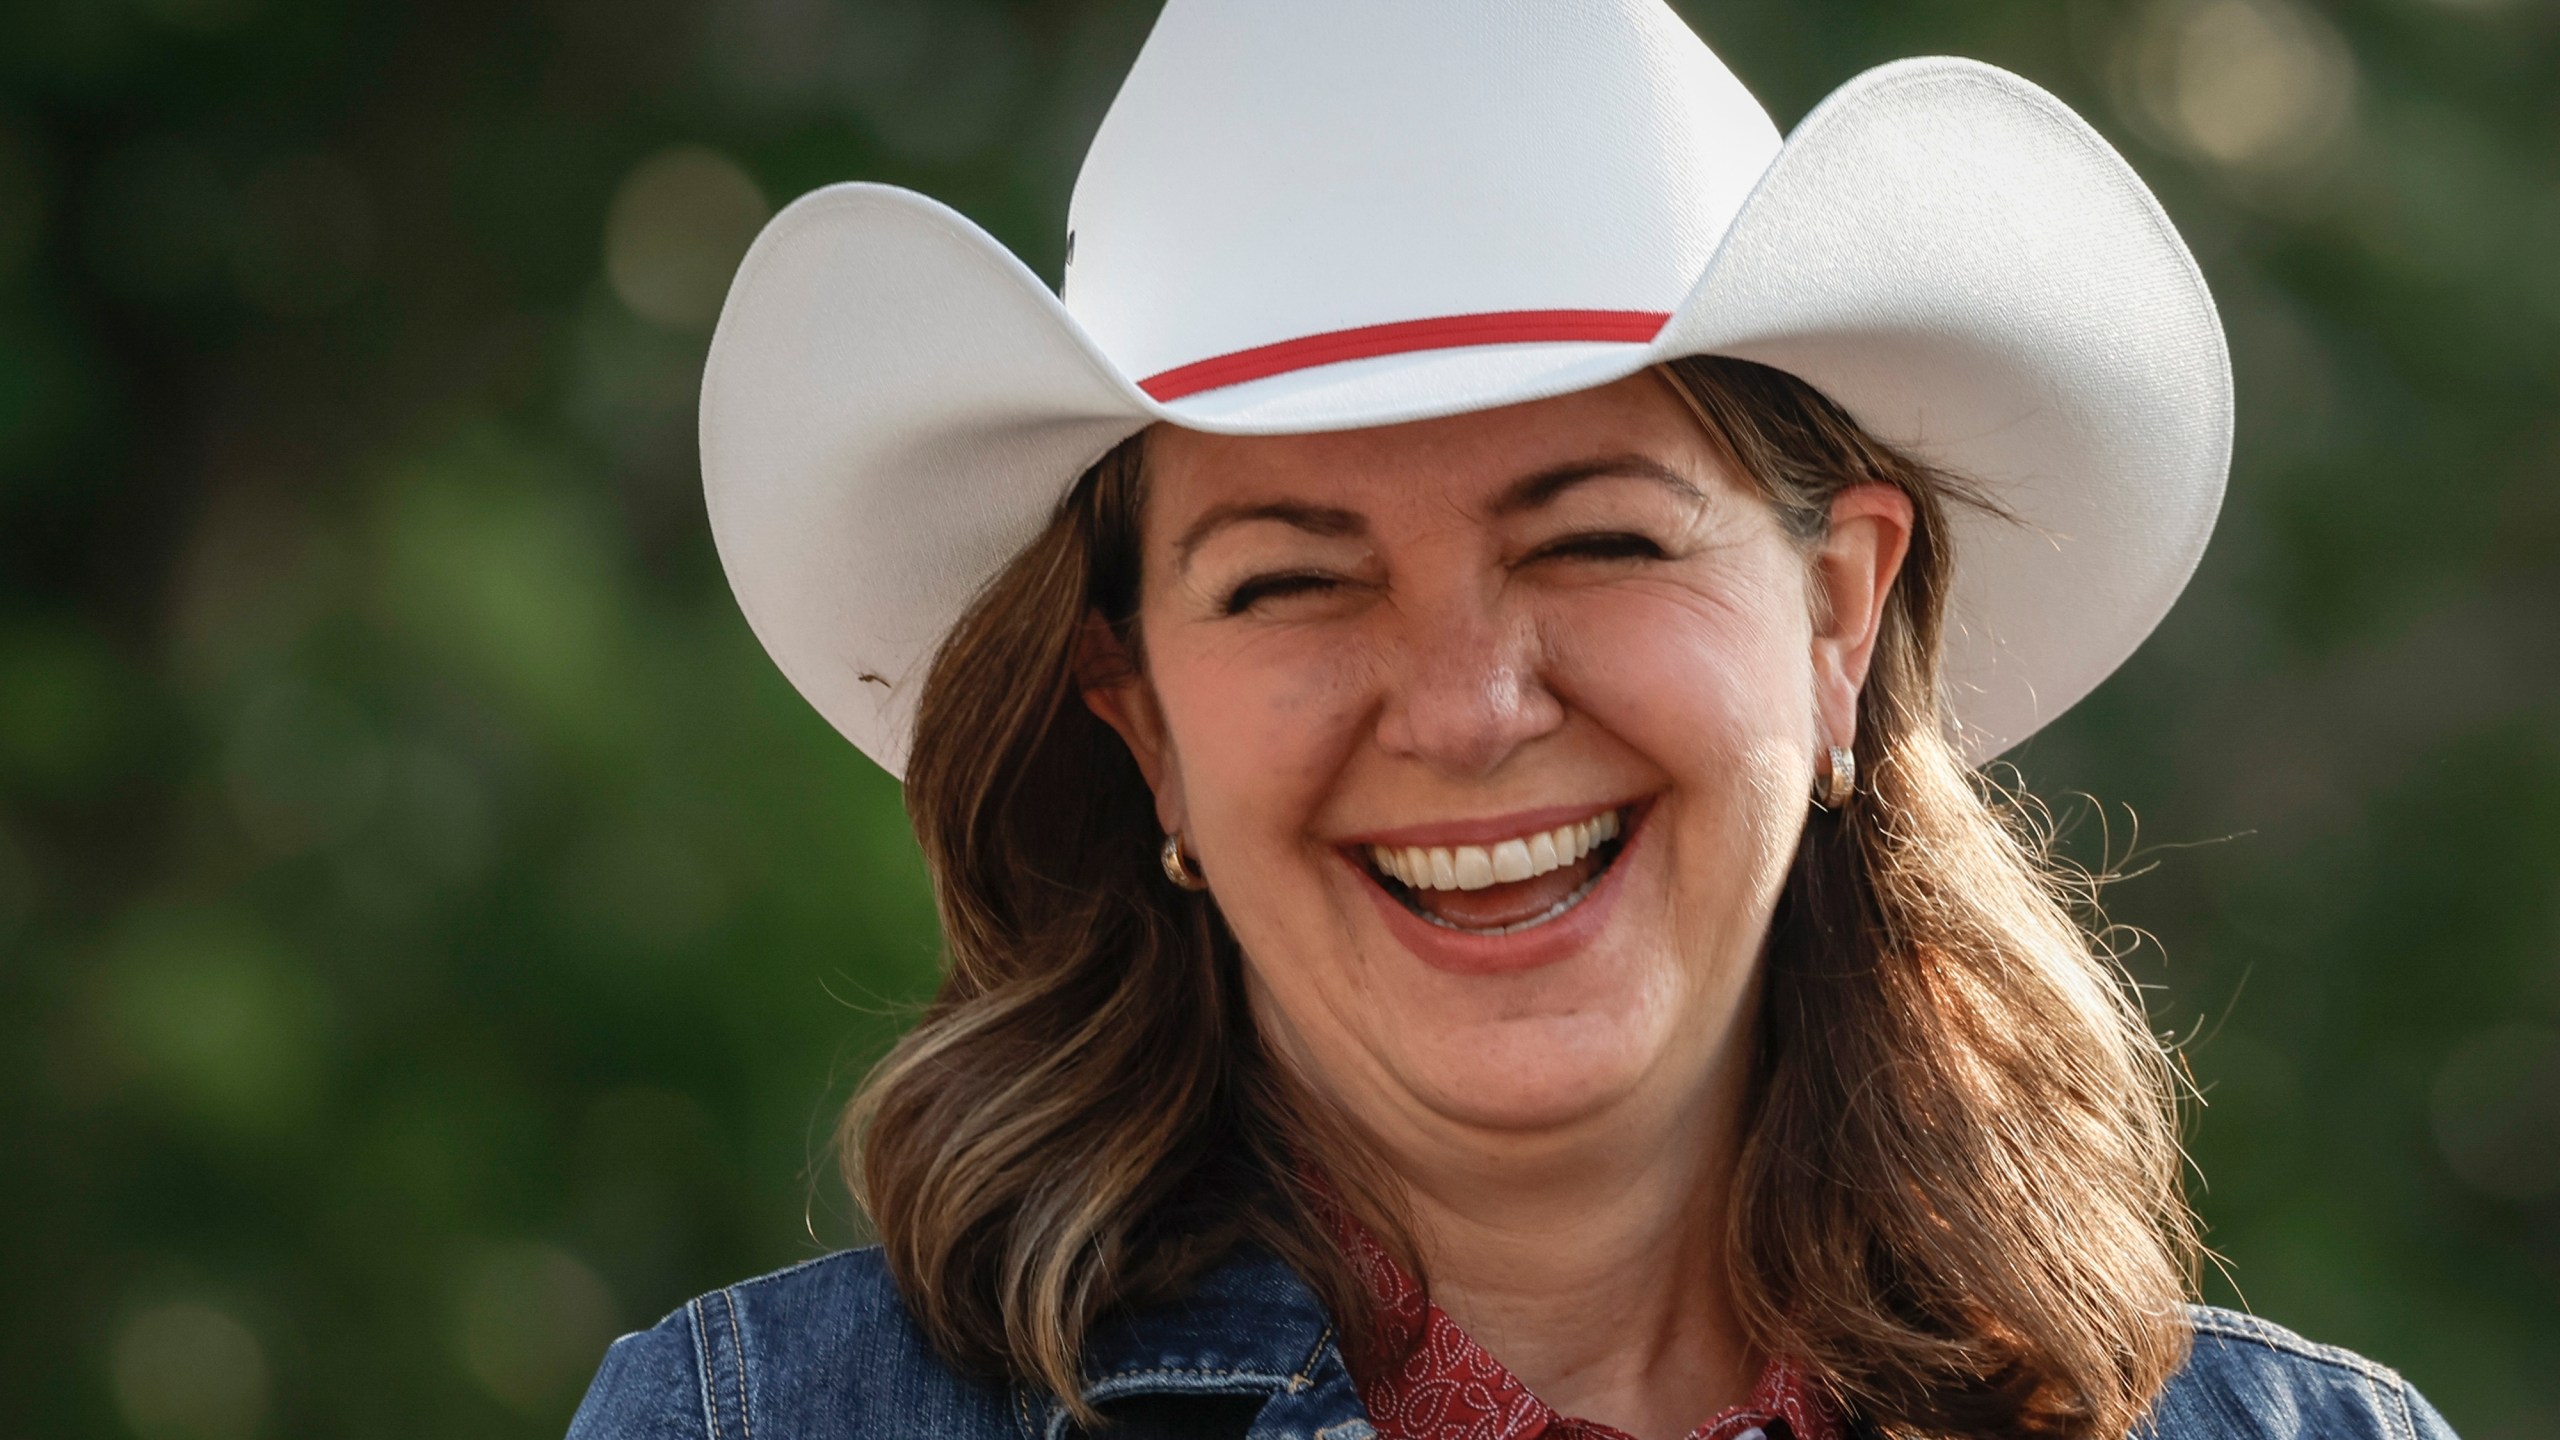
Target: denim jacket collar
x,y
827,1350
1252,1327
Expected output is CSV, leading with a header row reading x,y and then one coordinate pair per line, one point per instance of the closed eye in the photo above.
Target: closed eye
x,y
1601,545
1254,591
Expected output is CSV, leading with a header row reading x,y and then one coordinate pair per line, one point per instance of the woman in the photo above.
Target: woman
x,y
1439,690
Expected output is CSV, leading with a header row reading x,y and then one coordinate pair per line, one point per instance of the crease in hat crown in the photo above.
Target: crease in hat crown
x,y
1259,178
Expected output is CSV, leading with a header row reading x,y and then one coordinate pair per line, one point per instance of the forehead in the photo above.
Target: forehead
x,y
1460,457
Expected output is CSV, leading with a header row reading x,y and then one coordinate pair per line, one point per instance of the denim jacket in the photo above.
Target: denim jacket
x,y
825,1351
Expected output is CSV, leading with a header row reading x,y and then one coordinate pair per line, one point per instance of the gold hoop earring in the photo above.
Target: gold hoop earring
x,y
1178,867
1833,788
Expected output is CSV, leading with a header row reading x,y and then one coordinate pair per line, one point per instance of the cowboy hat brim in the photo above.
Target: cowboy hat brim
x,y
894,404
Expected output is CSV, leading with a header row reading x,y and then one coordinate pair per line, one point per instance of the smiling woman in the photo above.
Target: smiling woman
x,y
1614,634
1439,687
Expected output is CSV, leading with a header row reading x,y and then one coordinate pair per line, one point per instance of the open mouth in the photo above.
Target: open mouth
x,y
1508,886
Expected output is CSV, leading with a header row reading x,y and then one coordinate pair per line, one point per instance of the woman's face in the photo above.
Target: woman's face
x,y
1494,737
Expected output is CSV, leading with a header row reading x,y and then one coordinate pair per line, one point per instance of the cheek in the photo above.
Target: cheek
x,y
1260,727
1716,693
1263,731
1699,681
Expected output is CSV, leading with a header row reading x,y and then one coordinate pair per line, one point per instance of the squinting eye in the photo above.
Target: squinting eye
x,y
1273,587
1609,545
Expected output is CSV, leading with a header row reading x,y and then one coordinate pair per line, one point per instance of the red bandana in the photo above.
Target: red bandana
x,y
1426,1379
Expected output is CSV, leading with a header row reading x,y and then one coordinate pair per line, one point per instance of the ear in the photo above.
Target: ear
x,y
1853,572
1116,689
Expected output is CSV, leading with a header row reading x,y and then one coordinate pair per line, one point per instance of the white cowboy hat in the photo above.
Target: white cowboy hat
x,y
1324,214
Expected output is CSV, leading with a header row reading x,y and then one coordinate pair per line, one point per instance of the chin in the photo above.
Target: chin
x,y
1531,1074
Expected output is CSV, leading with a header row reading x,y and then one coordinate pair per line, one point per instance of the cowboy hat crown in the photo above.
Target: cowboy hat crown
x,y
1277,184
1336,213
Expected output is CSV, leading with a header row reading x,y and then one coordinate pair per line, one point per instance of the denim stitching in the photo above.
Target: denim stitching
x,y
1115,1380
1307,1367
1112,1387
1059,1419
738,1351
2392,1407
2408,1415
710,1387
1133,1381
2258,1332
2385,1390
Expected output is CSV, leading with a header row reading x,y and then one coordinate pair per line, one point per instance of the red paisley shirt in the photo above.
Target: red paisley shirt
x,y
1426,1379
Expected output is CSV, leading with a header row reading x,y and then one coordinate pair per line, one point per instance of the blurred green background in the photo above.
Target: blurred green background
x,y
433,939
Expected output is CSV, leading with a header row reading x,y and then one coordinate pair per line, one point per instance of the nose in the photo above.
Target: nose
x,y
1465,688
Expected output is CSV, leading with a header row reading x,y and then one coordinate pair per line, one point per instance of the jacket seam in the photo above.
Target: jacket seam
x,y
2385,1389
1127,1382
1112,1381
2408,1416
1022,1417
702,1361
2390,1405
2259,1333
1315,1355
738,1352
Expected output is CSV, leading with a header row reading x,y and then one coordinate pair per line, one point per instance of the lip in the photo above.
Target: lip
x,y
1488,830
1460,953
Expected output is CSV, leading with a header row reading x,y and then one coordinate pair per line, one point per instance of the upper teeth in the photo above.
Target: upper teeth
x,y
1473,867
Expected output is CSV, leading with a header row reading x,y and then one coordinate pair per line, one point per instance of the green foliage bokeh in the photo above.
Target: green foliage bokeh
x,y
434,939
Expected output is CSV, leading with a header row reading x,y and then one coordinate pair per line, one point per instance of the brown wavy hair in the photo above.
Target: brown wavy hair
x,y
1957,1199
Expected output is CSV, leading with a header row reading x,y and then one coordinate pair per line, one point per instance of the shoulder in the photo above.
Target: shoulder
x,y
821,1351
2247,1379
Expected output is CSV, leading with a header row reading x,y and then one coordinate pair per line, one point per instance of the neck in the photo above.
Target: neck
x,y
1593,1264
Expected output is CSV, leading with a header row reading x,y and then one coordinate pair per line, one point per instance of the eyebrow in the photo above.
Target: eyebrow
x,y
1541,488
1324,520
1529,492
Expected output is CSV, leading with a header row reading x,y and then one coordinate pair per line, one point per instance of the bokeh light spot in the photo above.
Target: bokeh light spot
x,y
189,1371
531,1323
678,226
2251,85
